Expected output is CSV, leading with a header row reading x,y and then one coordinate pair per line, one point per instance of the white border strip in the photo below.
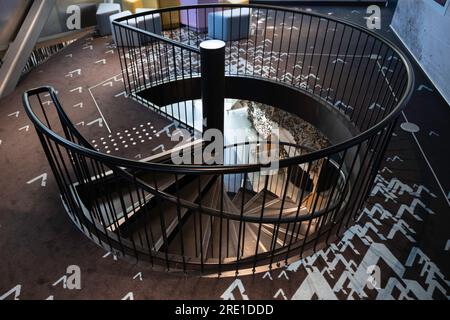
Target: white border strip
x,y
95,102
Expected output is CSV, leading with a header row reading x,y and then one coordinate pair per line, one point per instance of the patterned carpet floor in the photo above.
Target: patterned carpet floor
x,y
401,241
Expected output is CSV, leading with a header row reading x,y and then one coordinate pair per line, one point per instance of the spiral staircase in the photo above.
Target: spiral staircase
x,y
197,237
235,216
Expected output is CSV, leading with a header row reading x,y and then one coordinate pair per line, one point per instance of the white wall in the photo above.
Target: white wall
x,y
425,30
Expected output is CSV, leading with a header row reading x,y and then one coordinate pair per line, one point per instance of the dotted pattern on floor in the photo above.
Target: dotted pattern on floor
x,y
126,138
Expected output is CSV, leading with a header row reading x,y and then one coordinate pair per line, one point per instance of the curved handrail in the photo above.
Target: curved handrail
x,y
341,175
198,169
389,43
119,161
211,169
147,187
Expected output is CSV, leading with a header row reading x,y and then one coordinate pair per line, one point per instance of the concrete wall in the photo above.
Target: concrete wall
x,y
13,12
425,30
56,22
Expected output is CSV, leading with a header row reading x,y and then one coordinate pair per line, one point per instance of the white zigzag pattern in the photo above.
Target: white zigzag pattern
x,y
353,281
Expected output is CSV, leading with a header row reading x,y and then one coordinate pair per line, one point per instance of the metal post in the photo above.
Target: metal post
x,y
213,83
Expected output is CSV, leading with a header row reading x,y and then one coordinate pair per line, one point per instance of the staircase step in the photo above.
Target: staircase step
x,y
190,230
114,200
163,226
164,182
212,201
227,239
247,194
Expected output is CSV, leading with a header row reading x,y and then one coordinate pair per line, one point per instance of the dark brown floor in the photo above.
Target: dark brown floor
x,y
404,231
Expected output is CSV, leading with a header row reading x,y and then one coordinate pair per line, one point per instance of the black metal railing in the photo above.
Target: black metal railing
x,y
351,84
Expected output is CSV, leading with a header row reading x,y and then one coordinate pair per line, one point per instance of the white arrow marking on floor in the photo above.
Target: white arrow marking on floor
x,y
90,47
81,123
103,61
395,158
109,83
384,69
63,279
166,130
138,275
14,114
447,245
228,294
433,133
24,127
99,120
128,296
283,273
311,75
138,156
71,73
78,105
120,94
422,86
107,254
48,94
340,103
339,60
373,105
79,89
47,102
280,291
69,55
117,78
110,51
15,290
50,298
267,274
42,177
161,146
386,169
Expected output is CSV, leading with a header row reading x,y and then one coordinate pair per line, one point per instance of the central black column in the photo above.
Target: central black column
x,y
213,83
